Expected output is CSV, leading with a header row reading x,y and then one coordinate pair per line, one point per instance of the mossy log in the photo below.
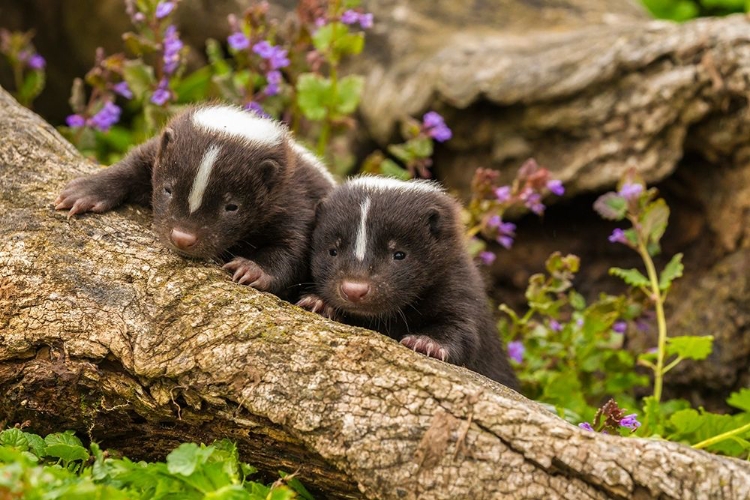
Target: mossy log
x,y
104,331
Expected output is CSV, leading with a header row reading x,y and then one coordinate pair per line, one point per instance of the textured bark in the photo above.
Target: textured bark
x,y
105,331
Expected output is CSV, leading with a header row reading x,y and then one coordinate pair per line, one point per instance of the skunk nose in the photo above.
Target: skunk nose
x,y
182,240
354,291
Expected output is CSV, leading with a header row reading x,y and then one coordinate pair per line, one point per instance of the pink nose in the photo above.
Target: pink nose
x,y
182,240
354,291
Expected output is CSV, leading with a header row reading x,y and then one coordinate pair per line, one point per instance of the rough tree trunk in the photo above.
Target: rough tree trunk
x,y
104,331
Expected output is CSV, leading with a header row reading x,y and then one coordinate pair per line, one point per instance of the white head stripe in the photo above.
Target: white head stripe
x,y
360,246
313,160
243,125
201,178
373,183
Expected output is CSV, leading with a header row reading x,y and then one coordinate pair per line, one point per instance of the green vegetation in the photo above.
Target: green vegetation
x,y
683,10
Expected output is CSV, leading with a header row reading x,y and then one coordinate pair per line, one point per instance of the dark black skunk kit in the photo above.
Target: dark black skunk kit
x,y
390,256
223,183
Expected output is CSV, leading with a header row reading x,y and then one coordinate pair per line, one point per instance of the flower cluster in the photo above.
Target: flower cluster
x,y
515,351
350,17
610,418
26,64
434,126
102,120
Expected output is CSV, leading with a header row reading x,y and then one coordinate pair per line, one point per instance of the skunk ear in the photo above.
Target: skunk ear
x,y
435,221
269,171
166,137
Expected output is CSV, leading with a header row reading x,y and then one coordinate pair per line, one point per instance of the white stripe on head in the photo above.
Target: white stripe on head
x,y
375,183
243,125
201,178
313,160
360,246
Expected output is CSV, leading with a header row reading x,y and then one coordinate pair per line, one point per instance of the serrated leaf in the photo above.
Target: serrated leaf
x,y
611,206
632,277
577,301
65,446
740,399
314,95
187,457
690,347
686,421
654,220
421,147
671,271
348,93
36,444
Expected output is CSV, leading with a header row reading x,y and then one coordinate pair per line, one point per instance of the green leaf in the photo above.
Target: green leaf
x,y
671,271
297,486
611,206
390,168
632,277
65,446
335,41
577,301
195,86
140,77
654,220
740,399
421,147
314,95
32,86
36,444
686,421
14,438
187,457
348,93
690,347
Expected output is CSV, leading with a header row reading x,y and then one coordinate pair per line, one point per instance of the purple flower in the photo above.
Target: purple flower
x,y
257,109
366,20
274,76
350,17
630,421
620,327
139,17
106,117
435,126
172,46
320,22
515,351
36,62
506,231
502,194
487,258
618,236
630,191
579,322
161,94
586,426
276,56
163,9
238,41
123,89
75,121
505,241
556,187
555,326
533,202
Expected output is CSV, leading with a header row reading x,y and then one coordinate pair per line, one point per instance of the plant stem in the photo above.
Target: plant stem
x,y
660,320
721,437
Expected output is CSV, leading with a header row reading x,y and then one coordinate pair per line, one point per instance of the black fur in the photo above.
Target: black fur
x,y
432,299
274,189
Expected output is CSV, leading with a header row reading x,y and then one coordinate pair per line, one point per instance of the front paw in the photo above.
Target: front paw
x,y
315,304
86,194
247,272
425,345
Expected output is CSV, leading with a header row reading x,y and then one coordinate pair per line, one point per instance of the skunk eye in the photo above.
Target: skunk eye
x,y
399,256
333,252
168,190
231,207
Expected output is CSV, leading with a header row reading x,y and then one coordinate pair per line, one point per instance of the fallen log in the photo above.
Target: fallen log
x,y
104,331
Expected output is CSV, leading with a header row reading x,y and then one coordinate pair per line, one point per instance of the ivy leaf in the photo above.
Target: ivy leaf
x,y
348,93
32,86
65,446
740,399
37,445
690,347
611,206
632,277
314,95
187,457
671,271
654,220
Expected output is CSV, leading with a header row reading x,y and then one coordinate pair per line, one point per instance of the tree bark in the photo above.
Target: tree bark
x,y
104,331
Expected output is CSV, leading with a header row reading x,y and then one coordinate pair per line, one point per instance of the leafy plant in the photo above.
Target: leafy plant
x,y
683,10
59,466
25,63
